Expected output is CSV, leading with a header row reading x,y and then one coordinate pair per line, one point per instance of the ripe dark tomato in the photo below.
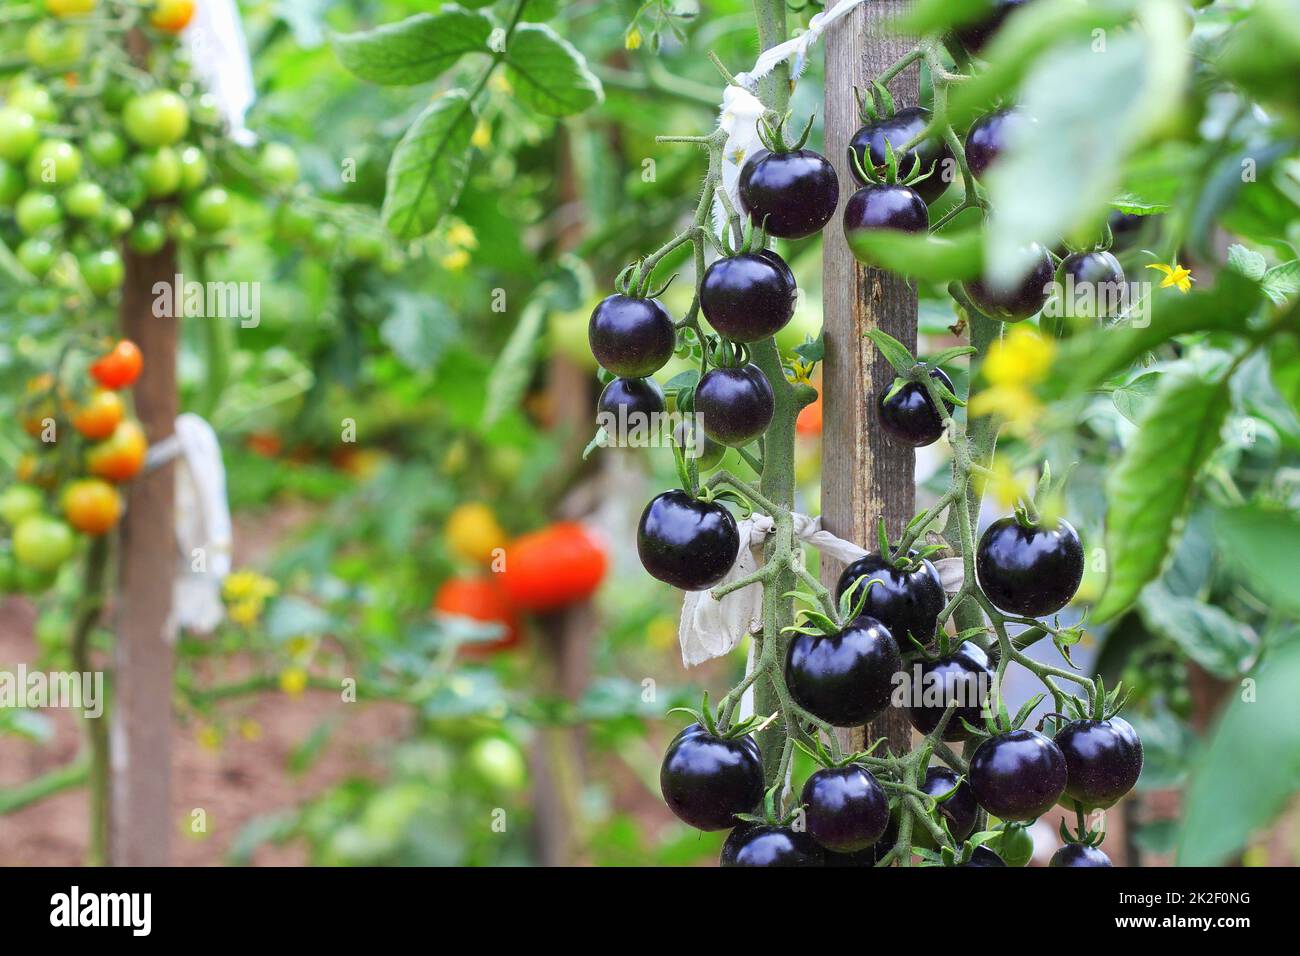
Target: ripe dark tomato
x,y
735,405
910,416
1094,284
1076,854
1103,760
897,130
846,809
638,396
959,810
791,194
707,780
1030,571
882,207
906,602
631,337
1018,776
763,845
988,136
685,542
975,36
1024,298
845,678
748,297
965,677
872,854
983,856
1125,228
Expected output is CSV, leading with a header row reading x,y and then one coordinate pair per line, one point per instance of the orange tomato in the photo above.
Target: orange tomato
x,y
121,456
558,565
479,599
37,470
92,506
100,416
172,16
39,404
809,421
120,367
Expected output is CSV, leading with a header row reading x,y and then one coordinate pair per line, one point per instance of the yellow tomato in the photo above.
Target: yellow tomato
x,y
70,8
172,16
473,533
91,505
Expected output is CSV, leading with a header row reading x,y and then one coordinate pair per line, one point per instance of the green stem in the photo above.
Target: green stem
x,y
95,729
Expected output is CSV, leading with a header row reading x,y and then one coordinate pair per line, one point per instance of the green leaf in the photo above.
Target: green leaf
x,y
1134,206
1130,399
514,367
937,16
1248,772
1205,633
1160,836
894,351
291,617
429,166
414,50
418,330
1148,491
933,258
812,350
1282,281
1167,748
548,74
1091,107
1284,362
1249,263
1265,541
1263,53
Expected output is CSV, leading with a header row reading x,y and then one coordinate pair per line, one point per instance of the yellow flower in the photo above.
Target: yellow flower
x,y
250,729
461,236
801,372
482,137
1023,357
499,83
248,584
246,611
632,38
299,646
1175,275
293,681
209,737
1002,483
1016,405
455,261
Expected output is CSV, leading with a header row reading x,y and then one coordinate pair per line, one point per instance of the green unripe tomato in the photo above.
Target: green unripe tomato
x,y
37,211
36,255
156,118
147,237
35,100
42,543
18,134
12,183
1015,846
325,238
363,246
159,171
194,168
18,502
55,163
102,270
117,220
84,201
278,165
498,763
293,223
106,148
209,210
54,46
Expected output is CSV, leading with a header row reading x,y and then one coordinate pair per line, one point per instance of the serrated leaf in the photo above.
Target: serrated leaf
x,y
414,50
682,380
1148,491
548,74
894,351
812,350
1135,206
1132,398
1248,262
1265,542
429,165
1205,633
1282,281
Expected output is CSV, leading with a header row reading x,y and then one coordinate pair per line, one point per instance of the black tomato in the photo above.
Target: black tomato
x,y
909,415
877,208
872,854
846,809
1093,284
959,810
1021,300
1103,760
748,297
988,136
906,602
1125,228
975,36
707,780
685,542
763,845
844,678
983,856
1018,776
1076,854
631,337
897,130
793,194
735,405
1031,571
631,396
965,677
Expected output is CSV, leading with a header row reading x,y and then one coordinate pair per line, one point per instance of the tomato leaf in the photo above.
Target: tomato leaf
x,y
894,351
933,258
414,50
509,376
1265,542
1148,491
548,74
1284,361
1205,633
429,166
1247,774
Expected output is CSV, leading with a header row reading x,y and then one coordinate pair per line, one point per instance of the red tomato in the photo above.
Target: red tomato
x,y
120,456
558,565
120,367
809,421
479,599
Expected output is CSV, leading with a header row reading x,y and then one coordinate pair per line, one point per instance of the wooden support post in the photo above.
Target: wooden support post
x,y
864,474
142,702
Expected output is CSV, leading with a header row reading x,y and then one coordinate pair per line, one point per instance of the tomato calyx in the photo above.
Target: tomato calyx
x,y
817,750
716,721
772,134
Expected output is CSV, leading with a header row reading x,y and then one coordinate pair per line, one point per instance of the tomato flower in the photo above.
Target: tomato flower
x,y
1175,275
